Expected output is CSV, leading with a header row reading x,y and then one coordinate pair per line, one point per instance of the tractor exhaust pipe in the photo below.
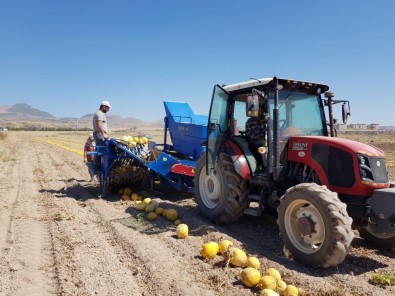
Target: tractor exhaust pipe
x,y
329,95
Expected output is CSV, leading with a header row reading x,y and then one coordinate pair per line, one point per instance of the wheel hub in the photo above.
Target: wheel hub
x,y
210,189
306,226
210,186
310,225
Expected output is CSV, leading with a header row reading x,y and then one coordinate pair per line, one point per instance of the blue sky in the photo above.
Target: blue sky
x,y
65,57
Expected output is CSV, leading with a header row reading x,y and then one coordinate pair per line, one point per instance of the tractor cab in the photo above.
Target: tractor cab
x,y
291,108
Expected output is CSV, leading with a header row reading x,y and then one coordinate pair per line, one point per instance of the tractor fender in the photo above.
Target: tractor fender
x,y
242,163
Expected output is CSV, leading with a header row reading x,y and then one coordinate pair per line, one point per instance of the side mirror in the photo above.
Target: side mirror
x,y
252,106
345,113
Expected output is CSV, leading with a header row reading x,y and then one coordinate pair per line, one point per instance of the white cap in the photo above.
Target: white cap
x,y
106,103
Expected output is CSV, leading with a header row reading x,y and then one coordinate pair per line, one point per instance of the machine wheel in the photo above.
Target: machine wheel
x,y
221,197
378,240
315,225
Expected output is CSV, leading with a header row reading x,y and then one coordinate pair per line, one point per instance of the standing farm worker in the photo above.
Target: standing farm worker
x,y
89,147
100,130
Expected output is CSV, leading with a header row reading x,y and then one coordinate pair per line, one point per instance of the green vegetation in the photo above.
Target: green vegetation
x,y
383,279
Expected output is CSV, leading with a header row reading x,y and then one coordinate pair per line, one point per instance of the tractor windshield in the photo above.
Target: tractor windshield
x,y
301,111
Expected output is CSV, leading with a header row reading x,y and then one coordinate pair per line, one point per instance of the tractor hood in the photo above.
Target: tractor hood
x,y
344,166
345,144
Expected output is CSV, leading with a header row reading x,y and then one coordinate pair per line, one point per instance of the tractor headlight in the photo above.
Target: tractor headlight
x,y
364,168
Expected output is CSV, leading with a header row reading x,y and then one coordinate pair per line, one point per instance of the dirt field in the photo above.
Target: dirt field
x,y
58,238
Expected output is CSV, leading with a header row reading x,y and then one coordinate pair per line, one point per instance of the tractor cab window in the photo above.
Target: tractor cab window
x,y
239,118
299,114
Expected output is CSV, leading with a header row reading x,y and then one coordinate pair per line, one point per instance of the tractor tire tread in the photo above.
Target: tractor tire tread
x,y
334,213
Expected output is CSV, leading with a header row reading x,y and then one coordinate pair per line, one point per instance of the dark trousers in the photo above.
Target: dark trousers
x,y
97,160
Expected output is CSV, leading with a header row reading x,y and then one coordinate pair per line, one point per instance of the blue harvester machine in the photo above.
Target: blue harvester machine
x,y
173,164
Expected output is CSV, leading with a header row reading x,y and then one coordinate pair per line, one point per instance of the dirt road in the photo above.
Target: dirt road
x,y
58,238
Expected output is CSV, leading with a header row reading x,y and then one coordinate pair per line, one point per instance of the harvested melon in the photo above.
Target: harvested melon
x,y
281,285
177,222
159,211
127,191
125,197
274,273
209,250
267,282
291,290
135,197
152,216
182,230
253,262
149,208
250,276
236,257
154,203
224,246
146,200
268,292
171,215
139,205
145,140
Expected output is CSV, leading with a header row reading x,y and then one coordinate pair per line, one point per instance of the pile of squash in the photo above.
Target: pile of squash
x,y
269,281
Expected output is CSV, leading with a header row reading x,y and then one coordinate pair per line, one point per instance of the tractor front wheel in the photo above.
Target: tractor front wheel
x,y
315,225
221,197
378,240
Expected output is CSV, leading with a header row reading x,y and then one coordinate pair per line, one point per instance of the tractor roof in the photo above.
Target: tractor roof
x,y
286,83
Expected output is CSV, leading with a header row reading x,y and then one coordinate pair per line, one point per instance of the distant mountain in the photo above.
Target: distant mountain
x,y
3,108
87,116
114,118
157,122
28,110
25,115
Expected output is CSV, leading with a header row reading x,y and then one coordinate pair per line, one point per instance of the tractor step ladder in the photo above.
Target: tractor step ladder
x,y
255,211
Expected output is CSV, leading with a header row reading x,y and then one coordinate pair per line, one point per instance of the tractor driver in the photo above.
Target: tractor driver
x,y
256,127
256,133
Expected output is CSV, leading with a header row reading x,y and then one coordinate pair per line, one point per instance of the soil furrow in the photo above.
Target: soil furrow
x,y
28,260
55,229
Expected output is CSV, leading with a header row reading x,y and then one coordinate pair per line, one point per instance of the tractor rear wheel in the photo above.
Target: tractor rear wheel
x,y
221,197
315,225
378,240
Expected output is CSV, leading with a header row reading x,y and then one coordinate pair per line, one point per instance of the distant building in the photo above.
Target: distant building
x,y
374,126
340,126
357,126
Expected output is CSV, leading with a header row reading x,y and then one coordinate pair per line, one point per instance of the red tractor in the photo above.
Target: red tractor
x,y
322,186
